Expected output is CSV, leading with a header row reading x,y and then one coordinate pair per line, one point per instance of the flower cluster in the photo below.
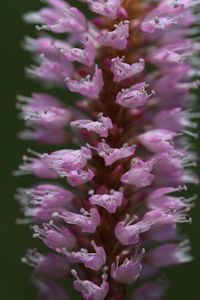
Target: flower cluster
x,y
110,215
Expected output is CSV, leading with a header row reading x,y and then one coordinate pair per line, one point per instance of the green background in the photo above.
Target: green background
x,y
15,285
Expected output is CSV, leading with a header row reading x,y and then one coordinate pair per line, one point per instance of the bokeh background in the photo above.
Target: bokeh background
x,y
14,283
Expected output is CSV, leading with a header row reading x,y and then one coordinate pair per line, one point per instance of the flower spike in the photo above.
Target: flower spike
x,y
112,184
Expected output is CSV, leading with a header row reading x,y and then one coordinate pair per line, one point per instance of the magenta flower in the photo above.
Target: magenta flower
x,y
116,38
110,212
129,270
133,97
122,70
87,86
109,201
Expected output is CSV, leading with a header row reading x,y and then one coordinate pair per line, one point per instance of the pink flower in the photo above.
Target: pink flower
x,y
116,38
123,70
158,140
55,237
128,234
88,221
128,271
133,97
174,53
173,254
46,136
86,56
140,174
70,19
108,8
93,261
42,200
111,155
89,290
64,161
159,199
37,166
51,71
101,126
79,177
46,118
109,201
87,87
161,18
50,264
117,148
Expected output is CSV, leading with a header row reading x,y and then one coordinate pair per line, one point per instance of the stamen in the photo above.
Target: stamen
x,y
91,192
84,212
192,134
134,219
37,154
75,274
105,275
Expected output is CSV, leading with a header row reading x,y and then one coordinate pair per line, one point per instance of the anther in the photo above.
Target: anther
x,y
75,274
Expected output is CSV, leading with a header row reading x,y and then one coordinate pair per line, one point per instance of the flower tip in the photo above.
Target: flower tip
x,y
74,273
67,79
55,214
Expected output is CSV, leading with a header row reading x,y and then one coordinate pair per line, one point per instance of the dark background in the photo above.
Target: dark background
x,y
15,285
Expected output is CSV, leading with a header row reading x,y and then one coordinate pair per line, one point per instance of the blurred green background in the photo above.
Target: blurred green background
x,y
15,284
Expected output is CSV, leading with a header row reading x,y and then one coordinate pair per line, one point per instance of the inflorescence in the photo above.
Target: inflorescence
x,y
109,214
